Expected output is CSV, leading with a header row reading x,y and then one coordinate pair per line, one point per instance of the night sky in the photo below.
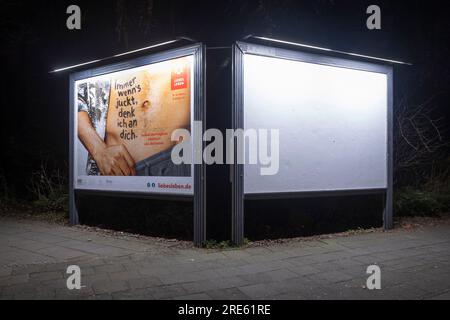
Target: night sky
x,y
35,40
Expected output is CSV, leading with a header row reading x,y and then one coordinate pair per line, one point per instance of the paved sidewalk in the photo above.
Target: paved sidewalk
x,y
34,256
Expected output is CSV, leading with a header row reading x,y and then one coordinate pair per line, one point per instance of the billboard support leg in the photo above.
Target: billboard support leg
x,y
388,222
73,211
199,211
237,176
237,218
199,169
387,211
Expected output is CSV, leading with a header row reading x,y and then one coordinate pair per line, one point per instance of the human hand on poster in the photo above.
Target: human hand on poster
x,y
113,160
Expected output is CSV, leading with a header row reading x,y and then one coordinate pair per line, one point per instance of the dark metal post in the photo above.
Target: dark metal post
x,y
73,212
388,204
237,214
199,171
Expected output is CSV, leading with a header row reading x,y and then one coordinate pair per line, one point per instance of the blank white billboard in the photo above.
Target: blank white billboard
x,y
332,124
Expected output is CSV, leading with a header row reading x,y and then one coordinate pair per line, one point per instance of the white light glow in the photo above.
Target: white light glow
x,y
149,47
331,50
332,125
77,65
294,43
115,56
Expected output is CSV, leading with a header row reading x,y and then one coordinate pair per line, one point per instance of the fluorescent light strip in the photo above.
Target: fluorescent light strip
x,y
331,50
293,43
375,58
115,56
141,49
77,65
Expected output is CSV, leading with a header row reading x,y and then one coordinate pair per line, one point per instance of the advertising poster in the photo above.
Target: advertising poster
x,y
123,126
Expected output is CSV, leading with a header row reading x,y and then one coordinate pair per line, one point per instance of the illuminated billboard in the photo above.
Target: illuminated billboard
x,y
131,127
332,124
123,125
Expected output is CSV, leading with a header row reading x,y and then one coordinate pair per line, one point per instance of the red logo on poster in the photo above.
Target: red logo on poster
x,y
179,78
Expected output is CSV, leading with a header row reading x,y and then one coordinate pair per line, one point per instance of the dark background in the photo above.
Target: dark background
x,y
34,103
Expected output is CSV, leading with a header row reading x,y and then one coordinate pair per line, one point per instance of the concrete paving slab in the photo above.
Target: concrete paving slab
x,y
34,256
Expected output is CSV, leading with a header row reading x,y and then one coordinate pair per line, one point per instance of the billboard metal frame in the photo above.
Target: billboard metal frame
x,y
198,52
237,170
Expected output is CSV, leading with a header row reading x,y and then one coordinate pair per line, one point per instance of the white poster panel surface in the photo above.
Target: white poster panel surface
x,y
332,125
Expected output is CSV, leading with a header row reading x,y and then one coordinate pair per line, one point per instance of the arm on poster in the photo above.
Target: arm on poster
x,y
111,160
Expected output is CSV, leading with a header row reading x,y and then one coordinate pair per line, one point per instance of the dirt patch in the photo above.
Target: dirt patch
x,y
400,224
408,223
26,213
170,243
